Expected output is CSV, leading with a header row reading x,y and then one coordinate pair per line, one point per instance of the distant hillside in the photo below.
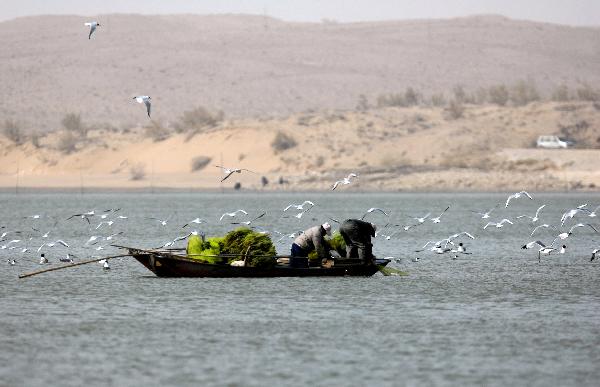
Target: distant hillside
x,y
250,65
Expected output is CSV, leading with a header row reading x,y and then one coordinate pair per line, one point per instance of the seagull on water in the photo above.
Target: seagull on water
x,y
230,171
373,209
232,214
92,26
517,195
534,218
438,218
345,181
499,224
66,259
13,262
104,263
299,206
146,101
594,252
43,259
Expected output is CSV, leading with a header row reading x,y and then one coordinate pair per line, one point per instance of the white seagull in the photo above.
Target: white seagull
x,y
565,235
517,195
85,215
232,214
197,221
104,263
571,213
541,226
52,244
594,252
230,171
534,218
485,215
437,219
543,250
345,181
299,206
499,224
373,209
247,223
92,26
422,219
146,101
163,222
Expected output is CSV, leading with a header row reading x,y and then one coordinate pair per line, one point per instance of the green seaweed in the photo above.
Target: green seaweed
x,y
260,248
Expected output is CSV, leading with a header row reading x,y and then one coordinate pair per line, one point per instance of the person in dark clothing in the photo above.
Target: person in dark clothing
x,y
357,235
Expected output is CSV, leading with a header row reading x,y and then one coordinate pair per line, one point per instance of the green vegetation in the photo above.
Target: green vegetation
x,y
234,245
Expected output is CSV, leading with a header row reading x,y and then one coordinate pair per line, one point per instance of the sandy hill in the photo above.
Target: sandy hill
x,y
251,66
489,148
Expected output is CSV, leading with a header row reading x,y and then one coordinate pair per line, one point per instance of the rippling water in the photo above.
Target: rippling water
x,y
496,317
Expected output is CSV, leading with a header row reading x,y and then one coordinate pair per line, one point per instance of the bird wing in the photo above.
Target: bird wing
x,y
527,194
242,211
489,224
335,185
352,175
148,106
443,212
226,176
288,207
538,210
259,216
312,204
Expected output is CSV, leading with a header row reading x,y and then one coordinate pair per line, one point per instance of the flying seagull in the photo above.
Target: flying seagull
x,y
92,26
247,223
197,221
229,171
372,209
437,219
544,250
499,224
486,215
232,214
345,181
517,195
299,206
533,218
146,101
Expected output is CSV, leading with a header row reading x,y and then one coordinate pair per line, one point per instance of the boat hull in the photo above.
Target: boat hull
x,y
168,265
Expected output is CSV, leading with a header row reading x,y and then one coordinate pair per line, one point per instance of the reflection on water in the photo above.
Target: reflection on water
x,y
495,317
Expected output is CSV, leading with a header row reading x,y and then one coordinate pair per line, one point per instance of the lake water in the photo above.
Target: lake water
x,y
496,317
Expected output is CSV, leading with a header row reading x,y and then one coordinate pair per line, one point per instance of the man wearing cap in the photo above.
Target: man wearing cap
x,y
357,235
312,239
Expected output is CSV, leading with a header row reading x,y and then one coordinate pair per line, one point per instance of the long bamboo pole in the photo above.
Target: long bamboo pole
x,y
70,265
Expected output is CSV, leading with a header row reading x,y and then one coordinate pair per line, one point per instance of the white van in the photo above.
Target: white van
x,y
552,142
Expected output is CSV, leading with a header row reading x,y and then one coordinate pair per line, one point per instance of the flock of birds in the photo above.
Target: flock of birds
x,y
105,230
453,244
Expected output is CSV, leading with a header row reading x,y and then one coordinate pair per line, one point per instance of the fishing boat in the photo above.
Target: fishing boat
x,y
165,263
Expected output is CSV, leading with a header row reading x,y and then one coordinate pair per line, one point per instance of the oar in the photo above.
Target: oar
x,y
70,265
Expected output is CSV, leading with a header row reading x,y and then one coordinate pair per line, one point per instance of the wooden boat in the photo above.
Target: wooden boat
x,y
165,263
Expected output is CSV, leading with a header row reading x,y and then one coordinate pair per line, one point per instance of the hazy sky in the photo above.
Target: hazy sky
x,y
574,12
